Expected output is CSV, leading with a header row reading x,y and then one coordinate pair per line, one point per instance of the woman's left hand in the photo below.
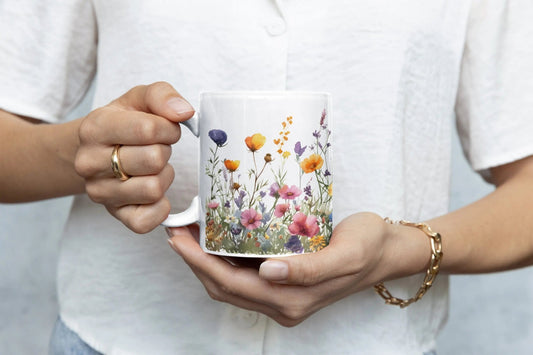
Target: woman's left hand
x,y
363,251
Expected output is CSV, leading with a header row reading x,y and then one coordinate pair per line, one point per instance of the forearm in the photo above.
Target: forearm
x,y
37,159
492,234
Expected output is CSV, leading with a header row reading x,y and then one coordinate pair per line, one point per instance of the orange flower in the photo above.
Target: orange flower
x,y
314,162
255,142
318,242
232,165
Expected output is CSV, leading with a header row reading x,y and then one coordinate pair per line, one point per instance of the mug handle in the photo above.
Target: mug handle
x,y
192,213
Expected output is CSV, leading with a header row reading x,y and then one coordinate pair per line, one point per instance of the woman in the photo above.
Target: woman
x,y
398,74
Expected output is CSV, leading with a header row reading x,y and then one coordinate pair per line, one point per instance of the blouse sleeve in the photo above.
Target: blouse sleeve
x,y
495,96
47,56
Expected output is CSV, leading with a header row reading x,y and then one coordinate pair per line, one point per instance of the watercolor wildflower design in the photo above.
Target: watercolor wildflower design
x,y
262,212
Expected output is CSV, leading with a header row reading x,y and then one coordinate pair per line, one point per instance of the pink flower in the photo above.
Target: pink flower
x,y
289,193
251,219
280,209
212,205
304,225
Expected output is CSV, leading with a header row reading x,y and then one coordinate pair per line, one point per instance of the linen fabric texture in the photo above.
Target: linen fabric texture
x,y
400,74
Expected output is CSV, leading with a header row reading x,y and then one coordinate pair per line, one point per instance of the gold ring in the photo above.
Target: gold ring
x,y
116,166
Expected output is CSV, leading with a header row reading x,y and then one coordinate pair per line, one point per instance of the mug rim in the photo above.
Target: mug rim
x,y
260,93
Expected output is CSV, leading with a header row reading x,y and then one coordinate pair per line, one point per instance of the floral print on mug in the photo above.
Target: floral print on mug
x,y
256,209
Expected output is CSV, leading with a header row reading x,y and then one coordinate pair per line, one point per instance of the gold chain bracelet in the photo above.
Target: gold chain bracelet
x,y
431,272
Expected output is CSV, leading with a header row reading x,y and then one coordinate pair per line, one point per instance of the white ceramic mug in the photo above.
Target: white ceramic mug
x,y
265,184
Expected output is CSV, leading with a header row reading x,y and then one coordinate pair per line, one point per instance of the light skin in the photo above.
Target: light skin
x,y
492,234
42,161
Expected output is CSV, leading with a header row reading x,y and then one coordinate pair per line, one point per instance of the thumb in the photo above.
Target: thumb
x,y
184,240
305,270
159,98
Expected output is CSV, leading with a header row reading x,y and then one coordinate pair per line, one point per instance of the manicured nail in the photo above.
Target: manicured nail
x,y
274,270
179,105
171,243
169,233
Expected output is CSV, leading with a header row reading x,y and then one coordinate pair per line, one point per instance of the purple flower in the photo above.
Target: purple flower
x,y
323,117
294,244
227,204
327,173
266,218
240,199
274,190
307,190
262,194
218,136
316,134
298,149
235,229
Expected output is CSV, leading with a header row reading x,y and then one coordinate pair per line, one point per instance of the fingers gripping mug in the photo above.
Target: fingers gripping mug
x,y
265,174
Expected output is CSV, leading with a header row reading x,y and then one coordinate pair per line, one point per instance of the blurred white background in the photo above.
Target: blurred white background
x,y
490,314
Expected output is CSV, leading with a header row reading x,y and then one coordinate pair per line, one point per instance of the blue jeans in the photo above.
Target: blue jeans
x,y
65,342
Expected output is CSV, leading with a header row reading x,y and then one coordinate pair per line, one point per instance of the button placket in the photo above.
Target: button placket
x,y
278,25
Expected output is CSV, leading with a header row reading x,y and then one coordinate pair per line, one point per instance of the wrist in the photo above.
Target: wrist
x,y
431,272
408,251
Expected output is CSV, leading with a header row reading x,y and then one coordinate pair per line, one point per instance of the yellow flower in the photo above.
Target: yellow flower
x,y
286,154
255,142
232,165
330,189
318,242
314,162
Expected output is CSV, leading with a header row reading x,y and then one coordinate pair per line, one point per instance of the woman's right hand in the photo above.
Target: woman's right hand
x,y
144,121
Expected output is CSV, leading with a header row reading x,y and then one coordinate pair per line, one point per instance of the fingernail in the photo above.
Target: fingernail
x,y
171,243
274,270
179,105
173,231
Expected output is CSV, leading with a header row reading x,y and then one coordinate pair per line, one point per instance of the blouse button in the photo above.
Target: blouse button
x,y
277,27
